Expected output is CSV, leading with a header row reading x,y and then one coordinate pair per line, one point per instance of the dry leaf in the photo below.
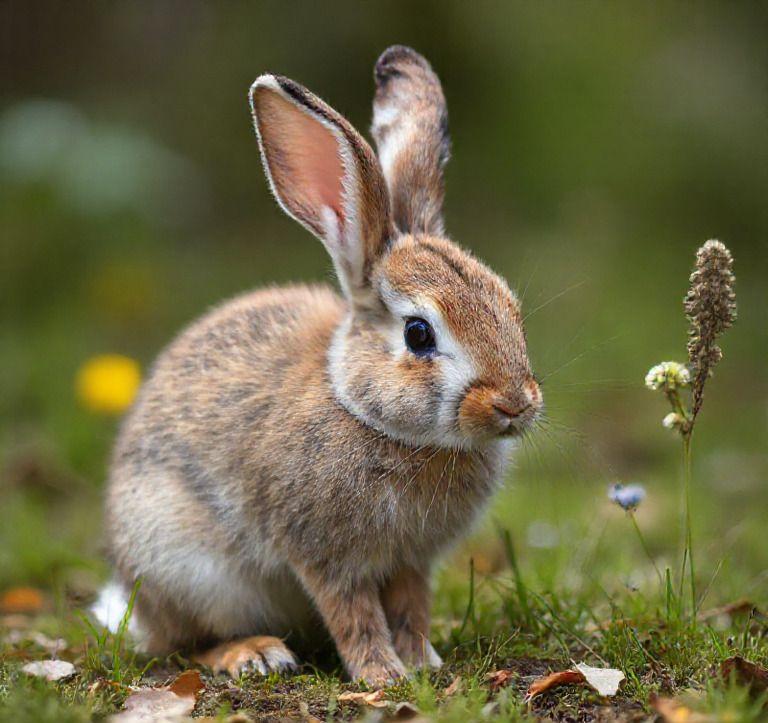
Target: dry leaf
x,y
563,677
456,685
188,684
374,698
499,678
163,704
672,710
747,674
604,680
21,600
50,669
154,704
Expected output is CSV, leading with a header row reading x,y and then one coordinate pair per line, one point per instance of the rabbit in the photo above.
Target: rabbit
x,y
299,459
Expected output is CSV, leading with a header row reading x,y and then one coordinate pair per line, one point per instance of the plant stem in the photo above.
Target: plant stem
x,y
688,527
645,546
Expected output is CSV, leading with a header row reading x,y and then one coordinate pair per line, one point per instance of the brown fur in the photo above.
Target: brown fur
x,y
406,599
267,480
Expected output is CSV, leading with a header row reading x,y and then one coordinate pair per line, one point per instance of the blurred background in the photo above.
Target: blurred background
x,y
596,146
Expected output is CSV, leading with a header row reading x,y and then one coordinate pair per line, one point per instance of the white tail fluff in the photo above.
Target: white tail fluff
x,y
110,608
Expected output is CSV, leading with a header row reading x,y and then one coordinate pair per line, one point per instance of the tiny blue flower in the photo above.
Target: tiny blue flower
x,y
627,497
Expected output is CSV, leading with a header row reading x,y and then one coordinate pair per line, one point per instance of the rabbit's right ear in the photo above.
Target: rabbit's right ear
x,y
410,126
324,175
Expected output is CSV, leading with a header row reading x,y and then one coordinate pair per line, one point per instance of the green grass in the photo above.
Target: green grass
x,y
556,574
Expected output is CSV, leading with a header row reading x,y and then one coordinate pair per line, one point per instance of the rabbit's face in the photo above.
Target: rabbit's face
x,y
441,358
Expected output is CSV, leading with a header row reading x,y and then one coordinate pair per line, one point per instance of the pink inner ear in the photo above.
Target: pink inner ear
x,y
303,157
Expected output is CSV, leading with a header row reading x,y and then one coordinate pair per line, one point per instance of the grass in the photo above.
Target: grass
x,y
556,575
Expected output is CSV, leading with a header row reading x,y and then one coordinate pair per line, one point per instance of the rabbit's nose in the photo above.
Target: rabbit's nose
x,y
509,412
513,411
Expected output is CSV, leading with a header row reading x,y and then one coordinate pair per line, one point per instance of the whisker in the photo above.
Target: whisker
x,y
434,495
378,437
454,455
530,278
418,471
579,356
553,298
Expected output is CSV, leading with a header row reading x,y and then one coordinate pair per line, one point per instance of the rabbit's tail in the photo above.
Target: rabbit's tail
x,y
111,606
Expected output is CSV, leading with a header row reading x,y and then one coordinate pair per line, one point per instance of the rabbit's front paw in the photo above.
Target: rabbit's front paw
x,y
262,654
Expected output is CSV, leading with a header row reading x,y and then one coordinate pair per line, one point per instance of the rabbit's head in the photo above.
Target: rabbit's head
x,y
432,350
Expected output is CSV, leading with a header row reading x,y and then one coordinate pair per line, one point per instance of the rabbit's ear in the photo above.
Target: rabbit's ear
x,y
324,175
410,126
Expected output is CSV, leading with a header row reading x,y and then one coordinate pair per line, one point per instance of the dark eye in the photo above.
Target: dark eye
x,y
419,336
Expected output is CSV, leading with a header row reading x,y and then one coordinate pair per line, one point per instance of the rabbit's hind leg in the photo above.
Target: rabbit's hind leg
x,y
260,653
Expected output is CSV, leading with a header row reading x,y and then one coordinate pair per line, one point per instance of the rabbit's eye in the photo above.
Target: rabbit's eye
x,y
419,336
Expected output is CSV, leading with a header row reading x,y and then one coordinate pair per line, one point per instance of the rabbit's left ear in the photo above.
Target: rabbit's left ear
x,y
410,126
324,175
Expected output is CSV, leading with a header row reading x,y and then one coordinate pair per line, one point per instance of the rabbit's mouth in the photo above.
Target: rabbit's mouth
x,y
486,412
509,418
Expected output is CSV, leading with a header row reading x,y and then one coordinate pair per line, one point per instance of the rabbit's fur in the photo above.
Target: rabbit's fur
x,y
290,460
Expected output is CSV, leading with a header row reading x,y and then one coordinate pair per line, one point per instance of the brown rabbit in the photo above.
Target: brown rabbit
x,y
297,456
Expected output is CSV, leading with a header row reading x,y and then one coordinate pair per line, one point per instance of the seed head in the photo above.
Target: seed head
x,y
710,306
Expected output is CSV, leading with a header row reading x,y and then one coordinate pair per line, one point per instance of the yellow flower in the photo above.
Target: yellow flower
x,y
108,383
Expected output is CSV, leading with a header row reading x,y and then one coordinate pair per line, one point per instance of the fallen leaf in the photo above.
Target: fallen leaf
x,y
456,685
50,669
160,704
188,684
374,698
672,710
604,680
499,678
154,704
563,677
21,600
747,674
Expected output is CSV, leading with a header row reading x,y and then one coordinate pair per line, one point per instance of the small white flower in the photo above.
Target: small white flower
x,y
672,420
667,374
627,497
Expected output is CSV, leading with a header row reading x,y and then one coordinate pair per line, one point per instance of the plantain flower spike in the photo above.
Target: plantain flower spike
x,y
710,306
